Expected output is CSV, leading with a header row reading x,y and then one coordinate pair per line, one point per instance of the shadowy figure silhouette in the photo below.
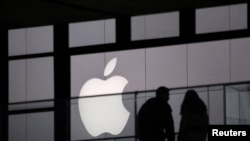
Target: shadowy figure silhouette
x,y
194,121
155,121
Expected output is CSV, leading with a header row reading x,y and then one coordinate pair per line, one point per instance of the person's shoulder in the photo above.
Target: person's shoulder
x,y
151,100
168,107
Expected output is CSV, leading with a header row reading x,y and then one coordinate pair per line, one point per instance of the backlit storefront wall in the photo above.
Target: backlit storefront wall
x,y
188,65
31,84
209,67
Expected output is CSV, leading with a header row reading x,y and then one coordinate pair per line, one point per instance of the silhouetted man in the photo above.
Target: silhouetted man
x,y
155,121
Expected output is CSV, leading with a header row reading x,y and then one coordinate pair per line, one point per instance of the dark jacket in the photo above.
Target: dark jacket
x,y
155,121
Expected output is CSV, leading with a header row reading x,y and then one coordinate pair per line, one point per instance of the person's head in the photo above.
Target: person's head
x,y
162,93
191,95
192,102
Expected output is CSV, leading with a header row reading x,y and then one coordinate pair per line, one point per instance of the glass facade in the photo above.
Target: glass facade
x,y
237,104
58,86
226,105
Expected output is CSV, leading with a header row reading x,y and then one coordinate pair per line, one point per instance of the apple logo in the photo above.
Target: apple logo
x,y
101,112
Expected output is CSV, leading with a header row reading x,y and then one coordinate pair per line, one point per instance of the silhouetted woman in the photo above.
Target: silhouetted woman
x,y
194,121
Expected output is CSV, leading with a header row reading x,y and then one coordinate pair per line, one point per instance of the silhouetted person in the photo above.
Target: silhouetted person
x,y
194,121
155,121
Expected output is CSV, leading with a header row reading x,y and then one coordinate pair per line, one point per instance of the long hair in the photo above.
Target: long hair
x,y
192,103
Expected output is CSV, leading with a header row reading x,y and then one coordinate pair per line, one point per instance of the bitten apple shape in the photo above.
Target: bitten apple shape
x,y
99,113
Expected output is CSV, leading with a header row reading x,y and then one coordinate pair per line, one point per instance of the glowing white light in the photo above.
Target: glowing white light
x,y
110,66
104,114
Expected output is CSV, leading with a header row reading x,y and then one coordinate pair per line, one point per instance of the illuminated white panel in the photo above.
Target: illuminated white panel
x,y
78,130
232,106
30,40
238,16
92,33
137,28
39,39
17,81
240,59
17,42
83,68
162,25
208,63
175,102
110,70
166,66
116,115
110,31
213,19
204,97
244,107
111,109
129,129
154,26
86,33
216,107
130,65
141,99
40,78
17,127
40,126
